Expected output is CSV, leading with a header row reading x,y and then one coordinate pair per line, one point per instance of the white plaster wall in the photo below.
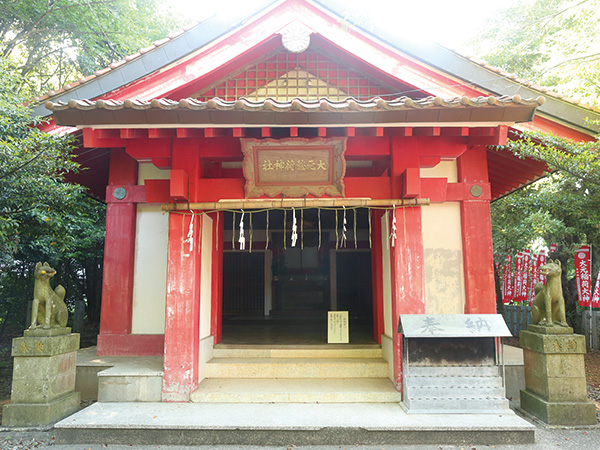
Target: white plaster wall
x,y
150,270
205,355
445,169
387,349
148,171
206,276
442,249
150,266
387,277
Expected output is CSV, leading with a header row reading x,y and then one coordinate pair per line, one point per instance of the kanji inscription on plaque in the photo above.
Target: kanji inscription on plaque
x,y
294,167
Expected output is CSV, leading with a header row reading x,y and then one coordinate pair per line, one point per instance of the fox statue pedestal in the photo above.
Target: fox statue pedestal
x,y
43,378
555,384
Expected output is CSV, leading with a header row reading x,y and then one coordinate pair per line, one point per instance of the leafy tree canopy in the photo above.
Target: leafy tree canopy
x,y
32,170
554,43
54,42
42,218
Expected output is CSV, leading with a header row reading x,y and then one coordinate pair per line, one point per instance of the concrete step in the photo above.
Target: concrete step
x,y
279,424
252,351
137,388
296,367
132,381
463,405
455,391
453,371
453,382
296,390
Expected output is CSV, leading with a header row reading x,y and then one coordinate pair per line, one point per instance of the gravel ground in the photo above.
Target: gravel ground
x,y
24,440
565,439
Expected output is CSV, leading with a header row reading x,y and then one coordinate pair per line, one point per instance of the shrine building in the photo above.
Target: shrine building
x,y
260,172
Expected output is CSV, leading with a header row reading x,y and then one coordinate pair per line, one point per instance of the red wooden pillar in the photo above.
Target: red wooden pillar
x,y
478,256
407,275
182,320
407,260
119,255
377,275
217,277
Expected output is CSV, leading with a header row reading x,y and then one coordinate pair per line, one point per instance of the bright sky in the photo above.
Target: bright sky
x,y
451,23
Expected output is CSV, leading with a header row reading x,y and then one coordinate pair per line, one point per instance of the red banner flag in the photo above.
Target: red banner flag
x,y
518,276
596,297
541,261
583,273
507,285
525,275
535,269
553,248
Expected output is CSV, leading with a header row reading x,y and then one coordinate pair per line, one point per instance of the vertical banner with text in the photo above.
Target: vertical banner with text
x,y
507,284
525,275
596,297
518,276
583,275
541,261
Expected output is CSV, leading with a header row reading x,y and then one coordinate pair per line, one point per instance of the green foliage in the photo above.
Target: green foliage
x,y
557,209
32,169
581,160
42,218
54,42
554,43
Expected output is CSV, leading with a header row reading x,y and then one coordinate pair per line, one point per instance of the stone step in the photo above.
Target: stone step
x,y
472,404
452,382
137,388
250,351
315,425
454,391
296,367
453,371
132,381
296,390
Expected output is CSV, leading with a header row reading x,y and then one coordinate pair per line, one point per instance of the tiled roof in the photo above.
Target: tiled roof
x,y
443,58
295,112
269,104
527,83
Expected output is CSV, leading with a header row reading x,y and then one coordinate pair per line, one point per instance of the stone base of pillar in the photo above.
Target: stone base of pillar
x,y
37,414
43,378
555,383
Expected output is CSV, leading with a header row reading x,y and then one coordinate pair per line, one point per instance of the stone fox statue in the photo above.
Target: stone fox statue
x,y
548,306
48,308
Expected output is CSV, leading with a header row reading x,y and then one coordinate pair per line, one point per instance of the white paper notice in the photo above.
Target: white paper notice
x,y
337,327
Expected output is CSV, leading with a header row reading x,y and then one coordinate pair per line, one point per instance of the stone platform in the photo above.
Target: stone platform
x,y
43,378
555,376
285,423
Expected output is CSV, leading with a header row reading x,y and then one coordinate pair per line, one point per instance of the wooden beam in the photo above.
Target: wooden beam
x,y
215,132
455,131
161,133
189,132
100,139
295,203
133,133
427,131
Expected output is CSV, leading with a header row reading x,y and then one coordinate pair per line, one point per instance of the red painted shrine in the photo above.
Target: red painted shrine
x,y
359,175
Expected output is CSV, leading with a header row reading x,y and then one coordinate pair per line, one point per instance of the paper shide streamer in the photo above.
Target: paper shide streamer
x,y
242,239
